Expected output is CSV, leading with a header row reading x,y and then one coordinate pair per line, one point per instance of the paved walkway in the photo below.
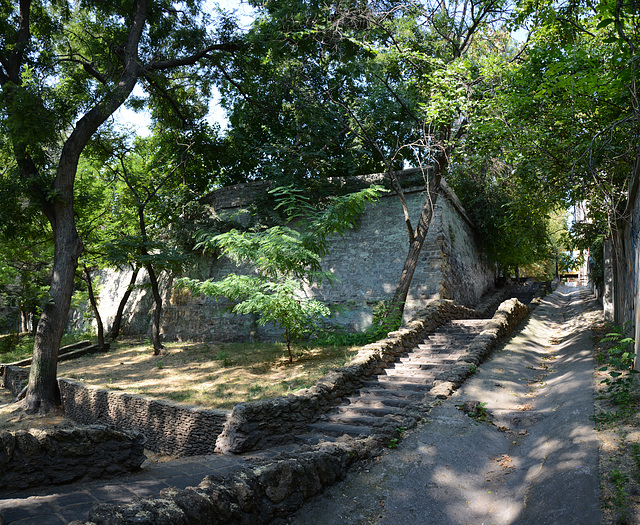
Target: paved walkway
x,y
540,468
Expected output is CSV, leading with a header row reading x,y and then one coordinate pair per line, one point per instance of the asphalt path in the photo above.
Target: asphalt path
x,y
532,460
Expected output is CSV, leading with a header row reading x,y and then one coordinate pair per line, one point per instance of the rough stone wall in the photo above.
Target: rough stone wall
x,y
13,378
270,491
367,264
265,423
62,455
168,427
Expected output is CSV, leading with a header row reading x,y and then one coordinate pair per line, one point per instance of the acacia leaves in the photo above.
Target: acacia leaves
x,y
284,262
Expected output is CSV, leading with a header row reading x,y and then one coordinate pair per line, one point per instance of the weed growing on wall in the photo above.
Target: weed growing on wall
x,y
619,367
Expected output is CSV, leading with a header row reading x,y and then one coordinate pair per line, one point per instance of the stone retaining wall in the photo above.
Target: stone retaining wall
x,y
261,424
276,488
366,262
61,455
169,428
13,378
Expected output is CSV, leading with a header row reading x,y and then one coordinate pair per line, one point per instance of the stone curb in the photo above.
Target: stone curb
x,y
276,488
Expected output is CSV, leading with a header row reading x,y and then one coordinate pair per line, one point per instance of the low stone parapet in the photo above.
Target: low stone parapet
x,y
31,458
265,423
169,428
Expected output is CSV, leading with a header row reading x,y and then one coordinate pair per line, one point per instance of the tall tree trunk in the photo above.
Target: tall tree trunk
x,y
117,320
43,393
94,307
155,289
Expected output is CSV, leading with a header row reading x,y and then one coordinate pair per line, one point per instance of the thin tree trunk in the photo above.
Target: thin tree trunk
x,y
396,307
117,320
94,307
158,348
155,289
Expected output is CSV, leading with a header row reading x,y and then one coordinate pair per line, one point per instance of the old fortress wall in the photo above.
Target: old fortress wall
x,y
367,263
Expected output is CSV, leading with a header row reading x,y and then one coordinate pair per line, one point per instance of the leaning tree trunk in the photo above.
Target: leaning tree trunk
x,y
94,307
42,392
117,320
396,307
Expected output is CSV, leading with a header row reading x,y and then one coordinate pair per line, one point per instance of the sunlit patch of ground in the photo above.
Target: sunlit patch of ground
x,y
11,418
215,376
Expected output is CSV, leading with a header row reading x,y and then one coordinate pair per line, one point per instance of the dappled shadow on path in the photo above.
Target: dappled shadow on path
x,y
534,463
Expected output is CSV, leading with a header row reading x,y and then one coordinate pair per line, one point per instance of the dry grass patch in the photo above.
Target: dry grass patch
x,y
209,375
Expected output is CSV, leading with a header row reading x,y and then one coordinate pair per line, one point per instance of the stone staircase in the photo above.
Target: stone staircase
x,y
405,382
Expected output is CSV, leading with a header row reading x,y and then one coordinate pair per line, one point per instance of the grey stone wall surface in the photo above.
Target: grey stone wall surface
x,y
169,428
13,378
31,458
367,263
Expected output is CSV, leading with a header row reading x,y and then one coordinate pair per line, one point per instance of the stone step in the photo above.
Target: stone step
x,y
425,366
457,333
387,391
454,347
366,408
314,438
338,429
436,352
353,418
380,401
429,360
412,374
396,384
442,340
418,377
